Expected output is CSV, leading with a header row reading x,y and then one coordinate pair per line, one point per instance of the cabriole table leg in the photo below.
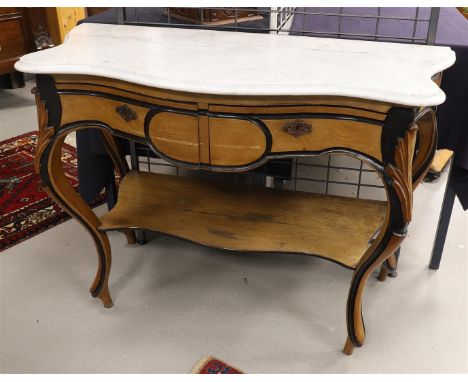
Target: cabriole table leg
x,y
48,164
398,183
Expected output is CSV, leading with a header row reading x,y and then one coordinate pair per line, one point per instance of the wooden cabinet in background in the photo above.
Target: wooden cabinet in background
x,y
61,20
14,42
25,30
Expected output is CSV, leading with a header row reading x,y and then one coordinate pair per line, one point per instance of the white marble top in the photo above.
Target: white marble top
x,y
228,63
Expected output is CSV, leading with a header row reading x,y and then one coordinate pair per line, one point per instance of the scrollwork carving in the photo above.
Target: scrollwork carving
x,y
401,172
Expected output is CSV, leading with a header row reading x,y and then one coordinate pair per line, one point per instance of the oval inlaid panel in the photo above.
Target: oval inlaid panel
x,y
175,135
235,142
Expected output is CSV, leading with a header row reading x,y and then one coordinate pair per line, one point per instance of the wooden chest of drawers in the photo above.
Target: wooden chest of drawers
x,y
12,38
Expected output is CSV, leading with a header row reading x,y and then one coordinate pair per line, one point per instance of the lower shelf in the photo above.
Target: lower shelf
x,y
247,218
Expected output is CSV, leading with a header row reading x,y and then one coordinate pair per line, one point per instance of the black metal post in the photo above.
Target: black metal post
x,y
444,221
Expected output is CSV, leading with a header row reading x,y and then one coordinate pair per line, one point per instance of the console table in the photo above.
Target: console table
x,y
220,101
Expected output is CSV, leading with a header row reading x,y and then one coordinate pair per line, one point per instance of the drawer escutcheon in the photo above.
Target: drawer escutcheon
x,y
297,128
126,112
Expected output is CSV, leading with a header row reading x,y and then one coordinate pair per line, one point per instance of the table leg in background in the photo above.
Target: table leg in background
x,y
139,233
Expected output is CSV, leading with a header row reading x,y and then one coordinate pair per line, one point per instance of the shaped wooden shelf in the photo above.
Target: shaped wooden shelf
x,y
246,218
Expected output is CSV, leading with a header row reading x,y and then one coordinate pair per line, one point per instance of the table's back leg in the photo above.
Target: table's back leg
x,y
121,166
389,266
140,235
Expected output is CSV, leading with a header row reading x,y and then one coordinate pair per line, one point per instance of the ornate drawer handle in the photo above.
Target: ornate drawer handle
x,y
297,128
126,112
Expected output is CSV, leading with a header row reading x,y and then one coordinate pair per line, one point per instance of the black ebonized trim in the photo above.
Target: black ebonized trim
x,y
216,104
48,93
89,123
221,115
341,117
119,89
293,154
132,101
396,226
358,275
430,157
256,119
396,124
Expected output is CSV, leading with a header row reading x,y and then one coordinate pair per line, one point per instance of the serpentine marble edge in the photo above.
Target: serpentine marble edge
x,y
248,64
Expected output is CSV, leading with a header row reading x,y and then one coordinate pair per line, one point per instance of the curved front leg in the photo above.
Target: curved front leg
x,y
355,322
48,165
399,186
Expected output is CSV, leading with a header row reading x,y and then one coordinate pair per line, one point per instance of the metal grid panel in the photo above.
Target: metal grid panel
x,y
273,19
415,25
331,174
406,25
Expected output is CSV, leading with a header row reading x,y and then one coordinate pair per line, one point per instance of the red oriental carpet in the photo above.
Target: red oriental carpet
x,y
26,210
211,365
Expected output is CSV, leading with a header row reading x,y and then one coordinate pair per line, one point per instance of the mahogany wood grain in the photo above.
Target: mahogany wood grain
x,y
8,10
247,218
12,42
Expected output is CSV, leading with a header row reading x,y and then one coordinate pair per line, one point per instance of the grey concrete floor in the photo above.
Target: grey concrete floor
x,y
176,302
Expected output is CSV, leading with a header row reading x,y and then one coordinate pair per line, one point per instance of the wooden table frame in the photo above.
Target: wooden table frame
x,y
401,153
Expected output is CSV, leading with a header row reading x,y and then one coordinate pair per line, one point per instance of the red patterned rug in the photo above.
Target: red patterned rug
x,y
211,365
26,210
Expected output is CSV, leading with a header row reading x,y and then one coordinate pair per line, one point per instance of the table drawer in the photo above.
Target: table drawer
x,y
242,141
317,134
121,116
